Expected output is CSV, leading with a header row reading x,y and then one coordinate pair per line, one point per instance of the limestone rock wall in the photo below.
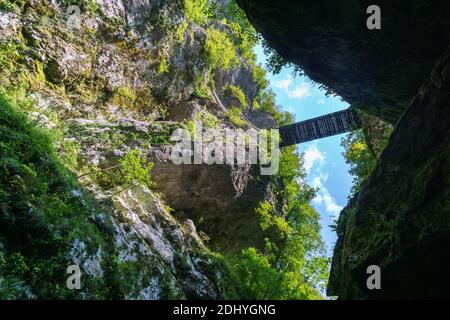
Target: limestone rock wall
x,y
104,89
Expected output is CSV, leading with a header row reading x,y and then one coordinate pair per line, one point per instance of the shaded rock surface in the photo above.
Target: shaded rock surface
x,y
400,220
157,256
379,71
220,199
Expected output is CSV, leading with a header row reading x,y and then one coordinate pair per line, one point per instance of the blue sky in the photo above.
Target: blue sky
x,y
324,163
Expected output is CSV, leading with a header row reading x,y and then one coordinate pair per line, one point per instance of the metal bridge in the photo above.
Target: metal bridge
x,y
318,128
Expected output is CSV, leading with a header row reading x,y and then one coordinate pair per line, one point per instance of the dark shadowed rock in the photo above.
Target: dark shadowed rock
x,y
220,199
400,220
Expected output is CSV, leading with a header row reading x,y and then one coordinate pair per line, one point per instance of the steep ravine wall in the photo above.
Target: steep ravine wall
x,y
378,71
400,218
125,79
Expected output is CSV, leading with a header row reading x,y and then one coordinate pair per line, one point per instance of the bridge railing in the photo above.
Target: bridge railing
x,y
320,127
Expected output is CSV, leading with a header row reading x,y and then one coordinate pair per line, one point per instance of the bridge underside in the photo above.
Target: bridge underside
x,y
318,128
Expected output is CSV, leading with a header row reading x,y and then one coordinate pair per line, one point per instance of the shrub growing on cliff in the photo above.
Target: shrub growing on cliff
x,y
266,101
259,77
208,120
9,57
180,31
197,11
358,155
136,169
237,93
12,5
9,54
235,117
270,220
220,50
201,86
124,96
85,5
364,146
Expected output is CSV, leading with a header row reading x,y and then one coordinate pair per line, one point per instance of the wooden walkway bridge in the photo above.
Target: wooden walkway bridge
x,y
318,128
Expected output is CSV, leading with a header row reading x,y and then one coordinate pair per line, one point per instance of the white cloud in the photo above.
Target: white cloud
x,y
301,91
324,198
293,110
314,161
311,156
283,84
321,101
319,180
316,182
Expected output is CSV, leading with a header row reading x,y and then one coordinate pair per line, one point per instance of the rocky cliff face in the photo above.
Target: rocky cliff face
x,y
400,218
121,76
378,71
399,221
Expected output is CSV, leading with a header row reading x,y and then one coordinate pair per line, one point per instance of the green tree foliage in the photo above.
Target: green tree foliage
x,y
133,169
275,62
259,76
85,5
294,264
197,11
295,268
220,50
39,215
237,93
253,273
363,147
270,219
360,158
266,101
243,33
244,37
234,14
235,116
